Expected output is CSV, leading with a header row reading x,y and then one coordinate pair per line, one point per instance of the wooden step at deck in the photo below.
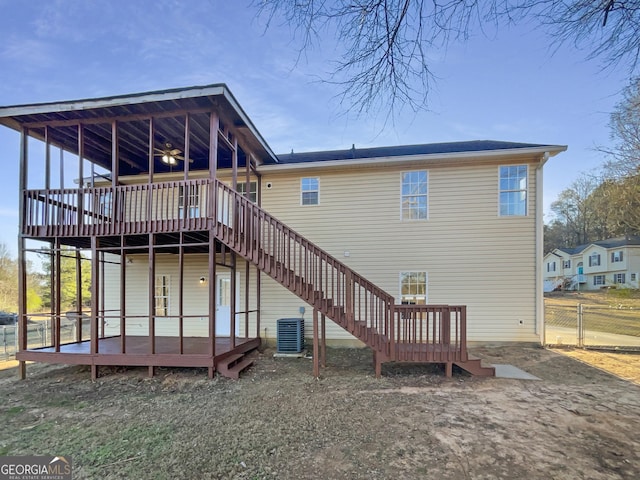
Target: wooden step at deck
x,y
474,366
233,365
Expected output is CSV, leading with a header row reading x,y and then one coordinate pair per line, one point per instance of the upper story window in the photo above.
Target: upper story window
x,y
310,191
189,198
513,190
566,264
253,190
413,288
551,267
414,202
616,256
594,260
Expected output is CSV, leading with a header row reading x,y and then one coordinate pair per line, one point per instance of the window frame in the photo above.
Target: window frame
x,y
602,281
303,191
566,264
253,190
416,295
525,190
165,284
619,278
617,256
425,195
592,258
551,266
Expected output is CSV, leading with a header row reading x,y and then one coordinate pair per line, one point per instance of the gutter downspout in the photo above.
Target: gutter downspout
x,y
539,250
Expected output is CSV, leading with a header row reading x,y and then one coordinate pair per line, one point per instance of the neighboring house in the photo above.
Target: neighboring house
x,y
614,262
201,238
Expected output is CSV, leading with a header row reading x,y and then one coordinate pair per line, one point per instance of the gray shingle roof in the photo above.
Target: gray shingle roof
x,y
405,150
616,242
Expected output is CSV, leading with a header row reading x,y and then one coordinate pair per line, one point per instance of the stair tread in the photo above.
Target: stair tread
x,y
230,359
242,365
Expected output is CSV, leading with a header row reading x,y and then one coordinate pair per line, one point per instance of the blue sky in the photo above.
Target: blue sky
x,y
508,86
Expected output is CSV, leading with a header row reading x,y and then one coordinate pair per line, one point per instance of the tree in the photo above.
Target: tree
x,y
574,208
623,166
9,284
67,279
384,45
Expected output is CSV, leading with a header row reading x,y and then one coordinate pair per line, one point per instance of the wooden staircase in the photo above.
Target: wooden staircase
x,y
396,333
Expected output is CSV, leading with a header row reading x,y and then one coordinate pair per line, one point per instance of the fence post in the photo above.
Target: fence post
x,y
580,333
4,338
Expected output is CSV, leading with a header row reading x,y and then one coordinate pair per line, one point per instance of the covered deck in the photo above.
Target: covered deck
x,y
168,352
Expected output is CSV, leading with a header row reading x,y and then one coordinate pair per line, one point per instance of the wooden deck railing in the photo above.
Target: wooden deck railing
x,y
128,209
435,333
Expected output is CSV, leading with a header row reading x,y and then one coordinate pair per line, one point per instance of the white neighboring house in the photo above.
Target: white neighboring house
x,y
605,263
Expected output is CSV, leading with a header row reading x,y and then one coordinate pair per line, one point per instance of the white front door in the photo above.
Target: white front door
x,y
223,305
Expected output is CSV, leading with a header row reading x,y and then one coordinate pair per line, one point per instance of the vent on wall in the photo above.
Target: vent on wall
x,y
290,335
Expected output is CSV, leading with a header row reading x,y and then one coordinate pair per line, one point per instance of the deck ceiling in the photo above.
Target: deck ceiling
x,y
168,108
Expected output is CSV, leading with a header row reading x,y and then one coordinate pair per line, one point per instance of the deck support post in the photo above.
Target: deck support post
x,y
123,297
152,301
448,369
57,309
22,260
212,299
78,295
94,372
233,300
95,277
323,345
181,290
316,346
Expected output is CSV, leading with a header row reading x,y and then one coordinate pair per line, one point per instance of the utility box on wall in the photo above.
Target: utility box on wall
x,y
290,335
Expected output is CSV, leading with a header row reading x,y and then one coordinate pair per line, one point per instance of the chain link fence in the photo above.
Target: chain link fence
x,y
39,334
594,326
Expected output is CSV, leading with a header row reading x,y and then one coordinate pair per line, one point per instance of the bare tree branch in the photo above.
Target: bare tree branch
x,y
384,62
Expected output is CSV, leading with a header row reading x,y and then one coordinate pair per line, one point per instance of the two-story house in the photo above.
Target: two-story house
x,y
602,264
201,238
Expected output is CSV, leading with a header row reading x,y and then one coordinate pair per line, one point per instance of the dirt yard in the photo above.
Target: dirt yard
x,y
578,422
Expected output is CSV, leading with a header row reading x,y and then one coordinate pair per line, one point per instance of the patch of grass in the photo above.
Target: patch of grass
x,y
13,412
5,450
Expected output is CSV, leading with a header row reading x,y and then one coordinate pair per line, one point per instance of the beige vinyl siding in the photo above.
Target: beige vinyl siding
x,y
471,255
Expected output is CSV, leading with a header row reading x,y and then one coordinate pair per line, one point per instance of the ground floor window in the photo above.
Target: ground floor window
x,y
634,277
162,295
413,288
598,279
619,278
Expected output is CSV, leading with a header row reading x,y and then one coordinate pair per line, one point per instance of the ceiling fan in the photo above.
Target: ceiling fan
x,y
169,155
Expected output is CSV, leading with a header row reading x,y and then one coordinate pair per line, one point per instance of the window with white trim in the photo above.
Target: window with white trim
x,y
414,195
594,260
191,201
616,256
513,190
634,277
253,190
551,267
413,288
310,191
566,264
162,295
598,279
619,278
